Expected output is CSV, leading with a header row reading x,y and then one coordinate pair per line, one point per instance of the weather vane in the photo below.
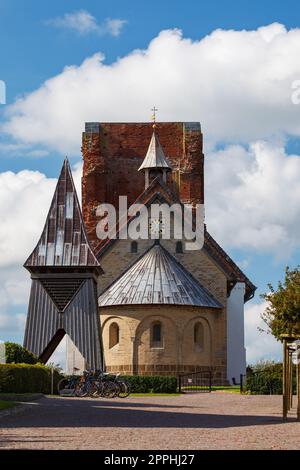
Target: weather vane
x,y
154,117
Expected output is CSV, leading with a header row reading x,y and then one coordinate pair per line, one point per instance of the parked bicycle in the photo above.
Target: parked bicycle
x,y
103,386
94,384
67,386
123,386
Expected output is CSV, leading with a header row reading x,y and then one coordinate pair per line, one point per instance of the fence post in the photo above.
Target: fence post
x,y
179,383
210,380
284,380
241,383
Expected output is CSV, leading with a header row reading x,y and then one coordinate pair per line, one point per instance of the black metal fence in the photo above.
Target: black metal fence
x,y
195,382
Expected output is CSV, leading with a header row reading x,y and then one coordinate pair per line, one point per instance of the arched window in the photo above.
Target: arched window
x,y
156,335
199,336
179,248
114,335
134,247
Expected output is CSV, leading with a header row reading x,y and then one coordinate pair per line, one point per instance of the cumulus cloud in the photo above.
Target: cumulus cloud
x,y
257,201
10,322
259,345
237,83
24,201
83,23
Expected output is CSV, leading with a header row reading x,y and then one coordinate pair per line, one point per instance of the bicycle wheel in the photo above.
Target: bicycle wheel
x,y
124,389
82,389
95,389
66,387
110,389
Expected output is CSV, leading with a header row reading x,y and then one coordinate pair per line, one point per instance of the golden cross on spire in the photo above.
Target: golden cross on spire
x,y
154,116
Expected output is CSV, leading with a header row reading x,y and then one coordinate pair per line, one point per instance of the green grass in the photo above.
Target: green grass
x,y
229,388
4,405
19,396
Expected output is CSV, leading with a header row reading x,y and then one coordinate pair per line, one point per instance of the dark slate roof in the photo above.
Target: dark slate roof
x,y
155,157
157,278
63,241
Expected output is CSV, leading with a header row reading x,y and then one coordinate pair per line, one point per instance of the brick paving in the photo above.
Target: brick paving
x,y
199,421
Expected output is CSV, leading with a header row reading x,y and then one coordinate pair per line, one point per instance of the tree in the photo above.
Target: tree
x,y
17,354
283,312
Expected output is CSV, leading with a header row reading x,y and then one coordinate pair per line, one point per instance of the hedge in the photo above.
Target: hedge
x,y
27,378
151,384
265,378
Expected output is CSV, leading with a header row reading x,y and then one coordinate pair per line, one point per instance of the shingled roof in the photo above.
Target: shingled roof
x,y
157,278
63,241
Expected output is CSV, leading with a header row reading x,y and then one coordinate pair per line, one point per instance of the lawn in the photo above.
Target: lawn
x,y
229,389
20,396
4,405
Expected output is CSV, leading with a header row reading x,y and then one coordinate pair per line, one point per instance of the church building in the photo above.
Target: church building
x,y
163,309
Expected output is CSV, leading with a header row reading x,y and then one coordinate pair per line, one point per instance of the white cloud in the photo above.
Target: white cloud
x,y
260,346
12,323
114,26
237,83
83,23
24,201
21,149
253,198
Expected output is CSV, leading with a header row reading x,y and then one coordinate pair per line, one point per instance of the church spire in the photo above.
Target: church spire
x,y
155,163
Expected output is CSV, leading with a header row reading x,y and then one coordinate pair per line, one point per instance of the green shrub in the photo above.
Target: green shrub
x,y
25,378
151,384
265,378
19,355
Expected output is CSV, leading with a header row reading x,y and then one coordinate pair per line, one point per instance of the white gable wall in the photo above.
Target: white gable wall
x,y
236,352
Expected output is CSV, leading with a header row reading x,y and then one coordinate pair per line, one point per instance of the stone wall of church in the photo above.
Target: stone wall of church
x,y
135,352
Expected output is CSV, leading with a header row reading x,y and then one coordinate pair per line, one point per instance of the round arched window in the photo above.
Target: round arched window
x,y
114,334
156,335
199,336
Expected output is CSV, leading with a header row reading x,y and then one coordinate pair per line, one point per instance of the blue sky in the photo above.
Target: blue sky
x,y
36,44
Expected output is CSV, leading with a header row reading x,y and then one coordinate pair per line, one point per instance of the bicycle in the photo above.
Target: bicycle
x,y
103,387
123,386
67,386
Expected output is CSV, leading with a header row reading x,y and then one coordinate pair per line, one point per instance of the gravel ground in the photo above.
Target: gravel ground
x,y
196,421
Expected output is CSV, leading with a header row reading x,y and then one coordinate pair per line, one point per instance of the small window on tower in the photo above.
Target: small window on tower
x,y
134,247
179,248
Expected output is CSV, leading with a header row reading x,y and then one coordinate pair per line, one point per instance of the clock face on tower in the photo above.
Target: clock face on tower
x,y
156,227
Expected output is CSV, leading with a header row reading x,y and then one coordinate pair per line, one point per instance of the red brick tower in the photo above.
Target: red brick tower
x,y
113,152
